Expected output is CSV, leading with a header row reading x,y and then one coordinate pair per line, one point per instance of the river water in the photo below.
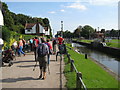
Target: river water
x,y
110,62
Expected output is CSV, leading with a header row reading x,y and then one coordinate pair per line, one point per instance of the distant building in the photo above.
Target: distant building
x,y
36,29
98,35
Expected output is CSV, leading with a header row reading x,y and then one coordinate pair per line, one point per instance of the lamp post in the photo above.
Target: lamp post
x,y
98,29
53,32
61,28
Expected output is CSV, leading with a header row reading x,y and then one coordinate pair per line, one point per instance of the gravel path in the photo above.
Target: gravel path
x,y
21,74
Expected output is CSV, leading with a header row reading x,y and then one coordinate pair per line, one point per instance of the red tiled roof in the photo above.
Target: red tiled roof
x,y
29,25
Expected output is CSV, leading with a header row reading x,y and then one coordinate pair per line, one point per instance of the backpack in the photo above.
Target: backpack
x,y
62,49
42,51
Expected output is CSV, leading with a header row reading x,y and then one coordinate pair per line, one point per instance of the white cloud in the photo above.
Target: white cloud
x,y
103,2
52,12
77,5
60,0
62,10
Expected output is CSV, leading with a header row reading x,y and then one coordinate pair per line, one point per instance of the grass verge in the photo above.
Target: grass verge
x,y
114,43
93,75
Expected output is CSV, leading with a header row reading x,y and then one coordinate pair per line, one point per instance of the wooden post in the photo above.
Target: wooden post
x,y
71,65
85,56
68,58
57,55
78,82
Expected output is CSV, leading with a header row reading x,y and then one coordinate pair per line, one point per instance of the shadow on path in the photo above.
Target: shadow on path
x,y
12,80
27,66
24,61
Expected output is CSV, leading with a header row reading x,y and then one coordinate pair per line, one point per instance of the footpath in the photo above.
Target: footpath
x,y
21,74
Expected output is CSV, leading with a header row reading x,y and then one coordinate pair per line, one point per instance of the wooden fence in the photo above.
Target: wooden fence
x,y
79,81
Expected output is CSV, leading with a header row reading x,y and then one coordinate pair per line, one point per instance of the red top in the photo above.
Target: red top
x,y
60,39
37,42
49,45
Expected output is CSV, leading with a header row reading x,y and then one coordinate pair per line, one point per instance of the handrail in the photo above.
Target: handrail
x,y
82,83
75,68
79,75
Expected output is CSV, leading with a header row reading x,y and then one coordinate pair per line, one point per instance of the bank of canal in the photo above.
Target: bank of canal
x,y
108,61
93,75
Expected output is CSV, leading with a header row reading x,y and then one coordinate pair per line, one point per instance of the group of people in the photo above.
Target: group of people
x,y
42,50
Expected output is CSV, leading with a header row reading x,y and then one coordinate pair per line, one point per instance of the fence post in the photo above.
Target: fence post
x,y
78,82
85,56
68,58
71,65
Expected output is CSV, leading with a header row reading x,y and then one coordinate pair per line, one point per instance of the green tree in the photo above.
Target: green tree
x,y
46,22
102,31
67,34
8,20
6,34
113,33
87,31
77,33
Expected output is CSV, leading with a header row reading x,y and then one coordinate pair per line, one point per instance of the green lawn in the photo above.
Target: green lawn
x,y
87,41
114,43
93,75
111,43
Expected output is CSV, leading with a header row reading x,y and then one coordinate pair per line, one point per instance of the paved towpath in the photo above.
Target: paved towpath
x,y
21,74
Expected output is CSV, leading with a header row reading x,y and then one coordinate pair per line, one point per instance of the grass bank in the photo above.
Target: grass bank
x,y
111,43
114,43
93,75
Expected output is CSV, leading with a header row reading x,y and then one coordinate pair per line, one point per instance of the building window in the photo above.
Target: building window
x,y
28,30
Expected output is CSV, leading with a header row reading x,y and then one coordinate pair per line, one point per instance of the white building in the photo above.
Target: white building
x,y
1,19
36,29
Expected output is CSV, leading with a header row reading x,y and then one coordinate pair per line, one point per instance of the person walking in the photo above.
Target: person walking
x,y
60,41
14,47
31,44
54,43
42,52
50,50
20,47
35,45
24,43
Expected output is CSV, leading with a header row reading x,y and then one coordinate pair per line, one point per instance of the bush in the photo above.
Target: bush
x,y
6,34
9,37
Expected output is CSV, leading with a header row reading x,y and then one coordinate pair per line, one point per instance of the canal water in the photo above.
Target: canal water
x,y
110,62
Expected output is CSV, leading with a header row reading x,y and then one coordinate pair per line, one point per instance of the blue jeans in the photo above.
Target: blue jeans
x,y
20,50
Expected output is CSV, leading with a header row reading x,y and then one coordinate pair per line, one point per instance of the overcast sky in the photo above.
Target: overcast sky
x,y
96,13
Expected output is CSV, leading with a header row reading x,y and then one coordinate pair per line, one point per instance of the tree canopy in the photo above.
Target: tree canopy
x,y
16,22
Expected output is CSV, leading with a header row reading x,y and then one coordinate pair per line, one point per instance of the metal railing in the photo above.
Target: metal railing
x,y
79,81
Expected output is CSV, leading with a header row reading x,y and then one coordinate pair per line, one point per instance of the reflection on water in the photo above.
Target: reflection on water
x,y
109,61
